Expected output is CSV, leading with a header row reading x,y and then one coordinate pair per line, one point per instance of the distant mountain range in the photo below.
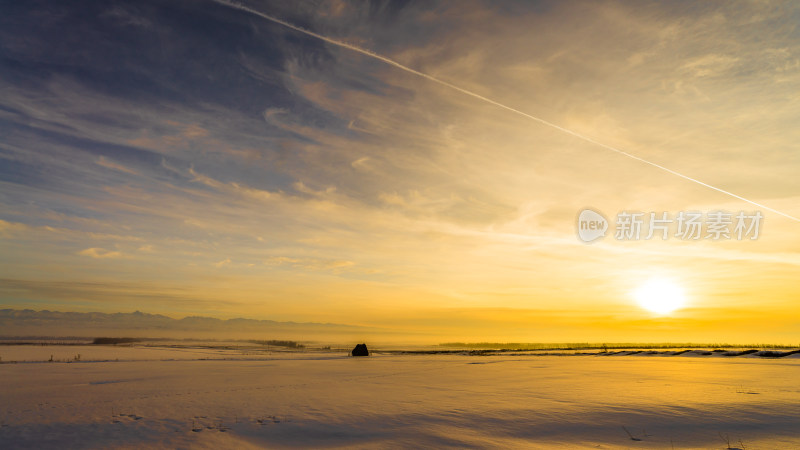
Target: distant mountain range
x,y
16,322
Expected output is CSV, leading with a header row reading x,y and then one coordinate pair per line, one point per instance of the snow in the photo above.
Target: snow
x,y
158,397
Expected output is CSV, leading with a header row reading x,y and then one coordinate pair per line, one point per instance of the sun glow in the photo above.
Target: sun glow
x,y
660,296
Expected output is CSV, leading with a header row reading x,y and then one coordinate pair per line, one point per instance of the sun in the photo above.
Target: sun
x,y
660,296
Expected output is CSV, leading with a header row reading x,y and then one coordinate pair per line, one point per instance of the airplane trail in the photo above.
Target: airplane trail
x,y
492,102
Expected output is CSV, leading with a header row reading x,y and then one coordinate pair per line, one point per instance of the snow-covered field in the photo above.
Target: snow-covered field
x,y
134,397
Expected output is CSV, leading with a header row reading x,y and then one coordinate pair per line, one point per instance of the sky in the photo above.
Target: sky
x,y
197,158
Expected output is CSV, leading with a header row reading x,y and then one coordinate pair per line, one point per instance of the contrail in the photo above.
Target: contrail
x,y
490,101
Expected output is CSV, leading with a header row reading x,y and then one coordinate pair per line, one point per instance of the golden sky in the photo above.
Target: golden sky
x,y
202,160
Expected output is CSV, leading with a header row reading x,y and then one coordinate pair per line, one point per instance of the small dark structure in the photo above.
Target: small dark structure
x,y
360,350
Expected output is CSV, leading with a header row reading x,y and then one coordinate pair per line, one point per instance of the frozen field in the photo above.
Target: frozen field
x,y
133,397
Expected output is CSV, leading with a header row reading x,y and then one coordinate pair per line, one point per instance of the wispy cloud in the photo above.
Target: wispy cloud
x,y
9,228
100,253
222,263
112,165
